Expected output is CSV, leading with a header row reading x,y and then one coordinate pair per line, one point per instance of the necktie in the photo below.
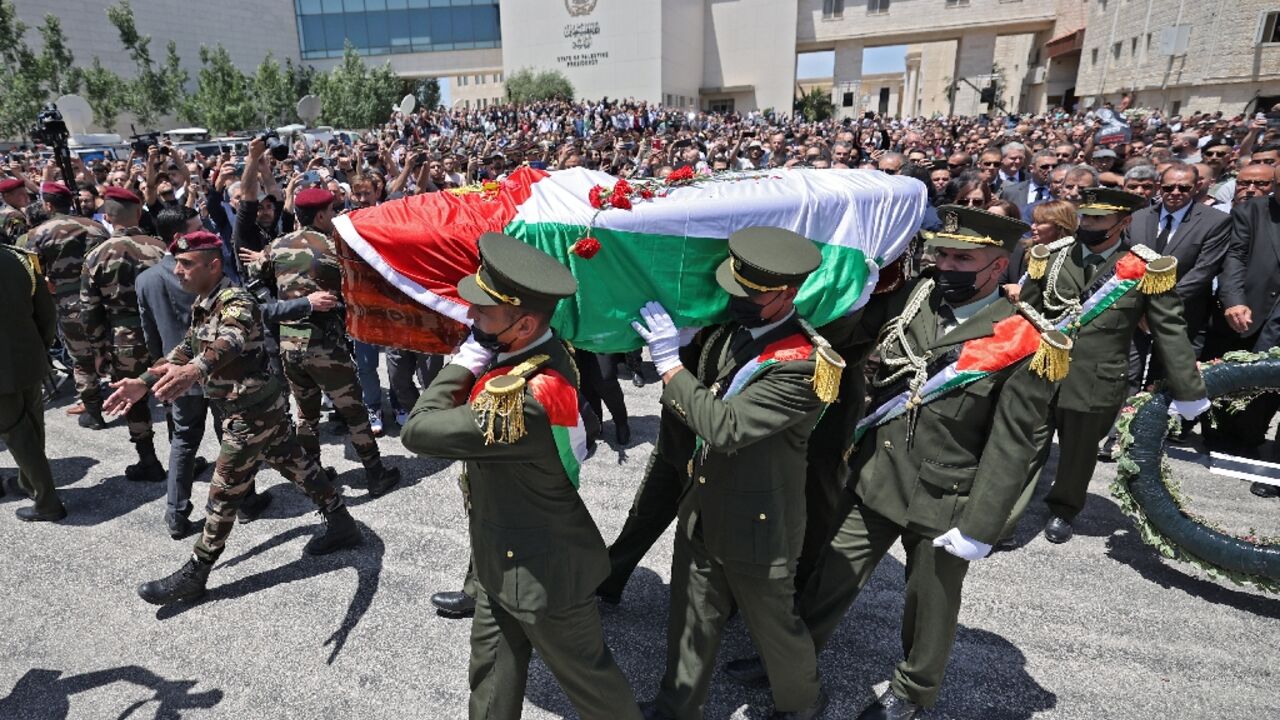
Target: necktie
x,y
1163,238
1091,263
1040,194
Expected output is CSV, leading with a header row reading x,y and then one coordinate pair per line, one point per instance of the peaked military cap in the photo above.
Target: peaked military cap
x,y
10,183
55,188
765,259
1105,201
121,195
965,228
515,273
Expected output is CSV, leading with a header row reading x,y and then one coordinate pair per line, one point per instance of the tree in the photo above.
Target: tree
x,y
352,95
155,91
223,100
273,97
526,85
300,78
104,91
57,63
426,90
816,106
19,75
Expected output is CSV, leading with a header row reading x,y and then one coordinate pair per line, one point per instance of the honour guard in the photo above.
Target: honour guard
x,y
1099,290
746,408
13,217
507,406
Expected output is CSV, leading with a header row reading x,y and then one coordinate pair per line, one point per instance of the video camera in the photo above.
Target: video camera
x,y
141,143
50,129
277,147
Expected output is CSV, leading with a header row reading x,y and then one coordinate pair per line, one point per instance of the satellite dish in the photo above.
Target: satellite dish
x,y
308,108
408,104
76,112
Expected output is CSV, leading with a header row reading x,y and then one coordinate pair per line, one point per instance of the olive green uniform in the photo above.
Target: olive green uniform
x,y
28,321
536,551
741,525
955,462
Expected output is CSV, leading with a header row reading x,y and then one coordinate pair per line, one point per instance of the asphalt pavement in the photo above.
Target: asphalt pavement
x,y
1100,627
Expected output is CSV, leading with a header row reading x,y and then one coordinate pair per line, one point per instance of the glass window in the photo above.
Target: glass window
x,y
485,23
419,27
397,4
332,6
462,25
309,7
334,31
379,32
398,28
312,33
442,31
356,32
353,5
372,5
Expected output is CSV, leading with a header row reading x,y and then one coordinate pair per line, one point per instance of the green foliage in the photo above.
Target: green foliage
x,y
56,62
426,90
156,90
104,91
354,96
816,106
274,99
526,85
223,99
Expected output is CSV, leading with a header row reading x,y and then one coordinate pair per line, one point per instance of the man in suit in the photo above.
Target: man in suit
x,y
507,406
1073,272
934,471
746,411
1035,189
28,323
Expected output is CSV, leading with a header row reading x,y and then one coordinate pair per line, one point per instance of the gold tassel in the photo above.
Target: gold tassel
x,y
499,410
1037,261
1052,358
1160,277
826,374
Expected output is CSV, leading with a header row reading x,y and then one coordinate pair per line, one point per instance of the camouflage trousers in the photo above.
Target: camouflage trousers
x,y
260,433
331,370
84,370
130,361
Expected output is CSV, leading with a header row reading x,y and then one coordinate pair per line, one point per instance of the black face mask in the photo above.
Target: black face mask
x,y
1092,238
746,313
492,341
959,286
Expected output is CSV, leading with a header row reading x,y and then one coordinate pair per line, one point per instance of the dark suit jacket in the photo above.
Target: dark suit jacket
x,y
1199,244
1251,269
1016,193
27,323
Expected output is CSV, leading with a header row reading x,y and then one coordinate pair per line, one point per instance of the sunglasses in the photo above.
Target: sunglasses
x,y
1047,166
1216,153
972,202
888,171
957,166
1178,188
1254,183
990,163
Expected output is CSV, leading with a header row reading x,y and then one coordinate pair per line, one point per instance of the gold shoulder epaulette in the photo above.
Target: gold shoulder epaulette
x,y
499,408
1038,256
30,262
1052,358
1162,271
828,366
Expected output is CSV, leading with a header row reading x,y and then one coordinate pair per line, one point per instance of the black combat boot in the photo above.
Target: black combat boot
x,y
339,533
92,418
380,479
148,467
186,585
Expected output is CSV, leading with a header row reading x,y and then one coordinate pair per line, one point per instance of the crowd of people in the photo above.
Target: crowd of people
x,y
212,284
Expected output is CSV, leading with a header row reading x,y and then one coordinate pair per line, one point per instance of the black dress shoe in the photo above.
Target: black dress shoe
x,y
454,604
890,707
198,466
30,514
1108,447
1005,545
146,470
91,419
815,710
1058,531
180,527
747,671
1264,490
252,507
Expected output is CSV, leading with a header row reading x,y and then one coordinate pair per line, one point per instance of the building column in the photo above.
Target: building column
x,y
911,90
846,76
974,58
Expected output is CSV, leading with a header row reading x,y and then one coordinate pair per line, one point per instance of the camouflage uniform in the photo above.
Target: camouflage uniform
x,y
314,351
109,313
61,243
13,224
225,342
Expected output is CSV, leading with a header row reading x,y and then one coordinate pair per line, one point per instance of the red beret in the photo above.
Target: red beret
x,y
54,188
198,240
313,198
10,183
119,193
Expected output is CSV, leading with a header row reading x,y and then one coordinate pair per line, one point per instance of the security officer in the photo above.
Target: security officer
x,y
1135,286
223,351
110,319
13,217
314,351
750,403
937,470
61,244
537,553
28,322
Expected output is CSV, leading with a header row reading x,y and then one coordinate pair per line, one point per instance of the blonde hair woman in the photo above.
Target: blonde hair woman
x,y
1050,221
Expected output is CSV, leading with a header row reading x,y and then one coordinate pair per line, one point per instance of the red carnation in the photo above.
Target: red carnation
x,y
620,201
646,193
679,175
622,187
594,196
586,248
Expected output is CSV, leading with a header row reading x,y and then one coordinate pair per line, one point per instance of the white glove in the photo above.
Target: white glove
x,y
1189,409
472,357
660,333
954,542
687,335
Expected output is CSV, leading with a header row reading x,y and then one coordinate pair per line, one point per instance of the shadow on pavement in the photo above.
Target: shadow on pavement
x,y
103,501
365,559
46,694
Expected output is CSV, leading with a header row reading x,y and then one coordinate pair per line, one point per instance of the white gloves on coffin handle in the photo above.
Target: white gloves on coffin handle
x,y
661,335
1189,409
954,542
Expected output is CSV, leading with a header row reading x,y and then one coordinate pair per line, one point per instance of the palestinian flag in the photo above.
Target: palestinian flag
x,y
559,399
663,245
